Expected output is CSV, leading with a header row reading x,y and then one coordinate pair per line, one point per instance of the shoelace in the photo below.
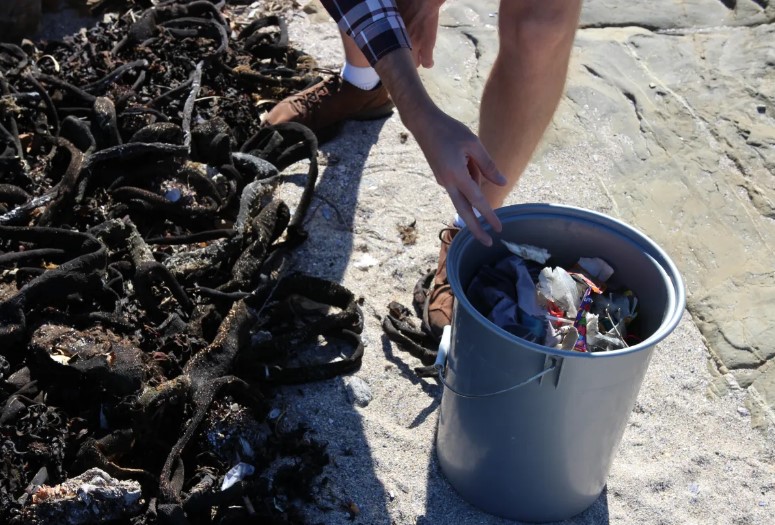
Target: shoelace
x,y
310,101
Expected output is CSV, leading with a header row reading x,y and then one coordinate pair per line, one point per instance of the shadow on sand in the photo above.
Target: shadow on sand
x,y
326,254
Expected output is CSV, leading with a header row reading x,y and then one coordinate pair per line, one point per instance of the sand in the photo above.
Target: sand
x,y
689,453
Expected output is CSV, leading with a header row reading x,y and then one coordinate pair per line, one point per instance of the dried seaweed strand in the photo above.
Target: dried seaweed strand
x,y
188,108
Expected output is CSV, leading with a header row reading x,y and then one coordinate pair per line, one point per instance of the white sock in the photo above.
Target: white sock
x,y
365,78
459,223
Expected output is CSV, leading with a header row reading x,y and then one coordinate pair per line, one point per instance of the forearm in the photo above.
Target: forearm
x,y
454,154
399,75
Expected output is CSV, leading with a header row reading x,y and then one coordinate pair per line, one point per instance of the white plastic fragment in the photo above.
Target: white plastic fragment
x,y
61,359
236,474
365,262
446,340
569,338
597,268
528,251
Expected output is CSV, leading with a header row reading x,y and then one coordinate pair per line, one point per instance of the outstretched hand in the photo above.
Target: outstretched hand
x,y
457,157
421,18
460,164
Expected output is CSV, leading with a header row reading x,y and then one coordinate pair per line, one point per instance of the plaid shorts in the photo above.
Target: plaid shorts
x,y
375,25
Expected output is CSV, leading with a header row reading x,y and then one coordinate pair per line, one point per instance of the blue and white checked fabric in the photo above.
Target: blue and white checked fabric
x,y
375,25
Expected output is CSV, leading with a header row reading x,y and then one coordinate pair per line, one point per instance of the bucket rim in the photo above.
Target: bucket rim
x,y
676,292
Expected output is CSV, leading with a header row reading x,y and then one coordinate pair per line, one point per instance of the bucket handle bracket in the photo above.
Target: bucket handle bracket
x,y
552,362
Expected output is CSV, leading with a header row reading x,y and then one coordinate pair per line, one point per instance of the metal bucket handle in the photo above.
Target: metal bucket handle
x,y
441,361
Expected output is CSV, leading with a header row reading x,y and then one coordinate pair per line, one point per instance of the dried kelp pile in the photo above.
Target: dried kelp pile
x,y
147,299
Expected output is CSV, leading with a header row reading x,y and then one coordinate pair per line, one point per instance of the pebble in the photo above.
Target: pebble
x,y
365,262
743,411
358,391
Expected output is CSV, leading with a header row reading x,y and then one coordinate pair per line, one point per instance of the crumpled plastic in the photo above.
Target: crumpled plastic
x,y
557,286
568,310
236,474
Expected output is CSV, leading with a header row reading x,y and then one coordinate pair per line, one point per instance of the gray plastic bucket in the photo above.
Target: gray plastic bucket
x,y
529,432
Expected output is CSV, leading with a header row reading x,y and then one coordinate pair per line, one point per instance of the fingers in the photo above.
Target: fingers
x,y
417,56
466,195
473,193
426,55
423,55
463,208
486,165
426,59
430,42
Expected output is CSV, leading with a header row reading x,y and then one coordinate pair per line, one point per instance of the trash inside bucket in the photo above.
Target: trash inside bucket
x,y
526,431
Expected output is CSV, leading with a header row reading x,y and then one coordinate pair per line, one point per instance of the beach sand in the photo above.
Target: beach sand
x,y
689,454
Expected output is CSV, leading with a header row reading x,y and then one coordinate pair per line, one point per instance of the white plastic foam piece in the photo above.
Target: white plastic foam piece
x,y
528,251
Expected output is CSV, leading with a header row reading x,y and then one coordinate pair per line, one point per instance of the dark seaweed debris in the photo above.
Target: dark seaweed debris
x,y
148,304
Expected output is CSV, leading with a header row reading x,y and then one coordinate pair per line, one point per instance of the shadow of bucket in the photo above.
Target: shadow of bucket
x,y
529,432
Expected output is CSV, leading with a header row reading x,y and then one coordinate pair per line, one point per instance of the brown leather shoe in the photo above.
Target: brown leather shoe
x,y
438,308
330,102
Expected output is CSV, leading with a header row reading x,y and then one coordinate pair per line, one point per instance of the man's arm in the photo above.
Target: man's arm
x,y
456,156
454,153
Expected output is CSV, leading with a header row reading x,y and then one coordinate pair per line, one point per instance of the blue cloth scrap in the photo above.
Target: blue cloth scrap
x,y
493,292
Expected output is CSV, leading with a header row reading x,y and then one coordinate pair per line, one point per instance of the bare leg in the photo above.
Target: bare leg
x,y
525,84
352,52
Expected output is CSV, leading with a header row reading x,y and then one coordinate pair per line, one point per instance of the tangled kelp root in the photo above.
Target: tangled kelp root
x,y
146,267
